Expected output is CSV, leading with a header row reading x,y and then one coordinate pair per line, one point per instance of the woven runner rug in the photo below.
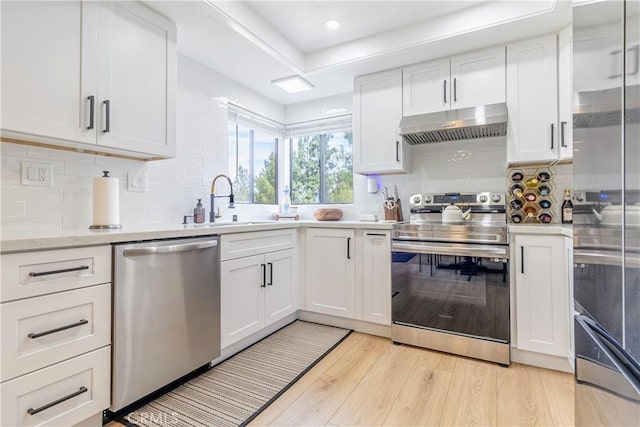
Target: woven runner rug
x,y
237,390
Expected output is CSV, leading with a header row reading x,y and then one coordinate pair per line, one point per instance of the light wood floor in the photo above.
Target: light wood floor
x,y
368,381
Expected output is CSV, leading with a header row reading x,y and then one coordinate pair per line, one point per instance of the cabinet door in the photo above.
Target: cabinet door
x,y
280,297
377,111
542,309
137,77
565,95
242,298
376,264
426,87
49,68
331,272
532,100
478,78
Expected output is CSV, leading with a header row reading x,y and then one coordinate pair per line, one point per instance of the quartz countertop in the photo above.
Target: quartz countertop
x,y
19,242
542,229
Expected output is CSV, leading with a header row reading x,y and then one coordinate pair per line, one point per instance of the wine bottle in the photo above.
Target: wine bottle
x,y
567,208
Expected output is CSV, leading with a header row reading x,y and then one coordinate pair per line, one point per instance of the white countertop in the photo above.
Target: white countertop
x,y
25,242
542,229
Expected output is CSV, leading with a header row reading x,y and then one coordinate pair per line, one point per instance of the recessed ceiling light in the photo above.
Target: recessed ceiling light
x,y
332,24
293,84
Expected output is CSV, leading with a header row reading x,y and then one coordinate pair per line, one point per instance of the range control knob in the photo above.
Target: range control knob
x,y
416,199
427,198
495,198
580,197
483,198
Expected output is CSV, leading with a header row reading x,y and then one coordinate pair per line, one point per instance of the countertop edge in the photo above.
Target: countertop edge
x,y
105,237
557,230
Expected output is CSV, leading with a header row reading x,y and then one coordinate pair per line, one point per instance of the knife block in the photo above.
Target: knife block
x,y
394,214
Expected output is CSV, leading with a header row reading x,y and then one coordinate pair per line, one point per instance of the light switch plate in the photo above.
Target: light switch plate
x,y
36,173
137,182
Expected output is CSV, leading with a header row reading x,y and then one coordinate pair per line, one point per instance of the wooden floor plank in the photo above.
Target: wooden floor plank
x,y
559,392
422,398
521,398
317,405
372,399
471,400
274,410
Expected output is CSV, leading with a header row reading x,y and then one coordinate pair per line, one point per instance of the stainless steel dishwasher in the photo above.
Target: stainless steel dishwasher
x,y
166,313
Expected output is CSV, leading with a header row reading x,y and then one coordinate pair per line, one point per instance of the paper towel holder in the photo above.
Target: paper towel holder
x,y
106,226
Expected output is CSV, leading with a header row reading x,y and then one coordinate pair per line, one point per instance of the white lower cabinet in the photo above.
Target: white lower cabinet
x,y
60,395
55,330
543,296
256,290
331,270
376,277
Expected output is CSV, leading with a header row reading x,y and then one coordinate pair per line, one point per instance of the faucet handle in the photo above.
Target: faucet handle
x,y
218,214
184,219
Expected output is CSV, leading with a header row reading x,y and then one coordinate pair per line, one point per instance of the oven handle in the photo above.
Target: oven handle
x,y
587,256
455,250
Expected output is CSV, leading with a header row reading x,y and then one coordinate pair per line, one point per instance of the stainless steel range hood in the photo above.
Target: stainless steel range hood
x,y
453,125
603,108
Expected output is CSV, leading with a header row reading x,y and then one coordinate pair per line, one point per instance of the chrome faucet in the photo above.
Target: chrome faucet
x,y
212,213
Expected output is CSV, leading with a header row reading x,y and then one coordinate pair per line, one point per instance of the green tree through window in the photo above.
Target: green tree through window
x,y
322,168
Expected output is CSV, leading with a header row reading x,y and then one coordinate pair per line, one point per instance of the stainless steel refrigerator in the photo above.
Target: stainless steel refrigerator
x,y
606,198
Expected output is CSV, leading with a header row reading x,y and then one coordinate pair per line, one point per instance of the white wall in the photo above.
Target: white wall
x,y
173,185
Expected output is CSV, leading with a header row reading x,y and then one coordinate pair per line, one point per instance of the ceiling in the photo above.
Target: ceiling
x,y
255,42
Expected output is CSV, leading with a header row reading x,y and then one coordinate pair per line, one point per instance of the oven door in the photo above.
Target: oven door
x,y
453,288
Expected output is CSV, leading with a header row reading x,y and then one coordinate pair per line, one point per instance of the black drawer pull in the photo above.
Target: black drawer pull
x,y
107,116
61,328
32,411
64,270
348,247
522,259
270,264
264,275
92,101
376,234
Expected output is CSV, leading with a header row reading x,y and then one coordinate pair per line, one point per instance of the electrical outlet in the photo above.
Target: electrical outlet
x,y
36,174
137,182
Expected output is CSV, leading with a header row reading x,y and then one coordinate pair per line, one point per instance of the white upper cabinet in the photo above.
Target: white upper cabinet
x,y
565,94
98,73
425,87
377,110
532,100
467,80
137,77
47,85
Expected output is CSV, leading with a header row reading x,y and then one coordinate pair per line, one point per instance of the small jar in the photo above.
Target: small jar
x,y
516,218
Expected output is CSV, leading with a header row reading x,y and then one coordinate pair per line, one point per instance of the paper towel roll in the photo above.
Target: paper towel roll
x,y
106,202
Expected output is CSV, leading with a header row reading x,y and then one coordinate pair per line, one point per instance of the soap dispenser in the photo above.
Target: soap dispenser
x,y
198,213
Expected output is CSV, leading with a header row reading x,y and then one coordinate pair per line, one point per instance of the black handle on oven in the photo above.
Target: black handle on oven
x,y
522,259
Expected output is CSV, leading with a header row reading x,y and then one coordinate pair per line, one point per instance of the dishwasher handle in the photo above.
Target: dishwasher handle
x,y
169,249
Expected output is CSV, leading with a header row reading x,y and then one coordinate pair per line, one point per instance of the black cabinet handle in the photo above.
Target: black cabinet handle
x,y
376,234
270,273
455,90
107,118
563,126
444,92
552,132
522,259
32,411
397,151
92,102
348,247
54,330
264,275
64,270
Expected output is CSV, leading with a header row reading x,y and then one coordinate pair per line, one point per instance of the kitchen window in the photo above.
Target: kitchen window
x,y
321,161
253,162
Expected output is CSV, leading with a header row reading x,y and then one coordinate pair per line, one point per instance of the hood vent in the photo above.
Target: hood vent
x,y
454,125
603,108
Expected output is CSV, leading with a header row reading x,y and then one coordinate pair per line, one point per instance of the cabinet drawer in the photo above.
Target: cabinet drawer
x,y
60,395
246,244
29,274
39,332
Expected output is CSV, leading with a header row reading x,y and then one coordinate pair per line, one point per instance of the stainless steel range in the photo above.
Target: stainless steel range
x,y
450,275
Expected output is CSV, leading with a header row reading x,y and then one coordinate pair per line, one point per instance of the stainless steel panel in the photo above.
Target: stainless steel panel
x,y
494,233
166,320
451,343
456,249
